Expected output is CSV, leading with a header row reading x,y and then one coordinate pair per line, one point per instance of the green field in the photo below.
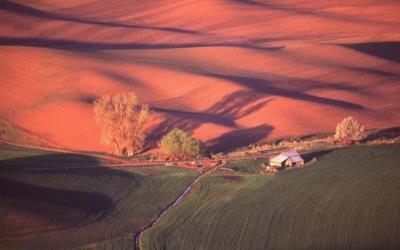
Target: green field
x,y
348,199
246,166
85,208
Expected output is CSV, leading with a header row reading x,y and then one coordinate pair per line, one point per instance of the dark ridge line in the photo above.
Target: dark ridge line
x,y
201,116
26,10
388,50
307,12
73,45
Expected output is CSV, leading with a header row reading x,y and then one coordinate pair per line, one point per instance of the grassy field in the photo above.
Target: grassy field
x,y
247,166
86,208
348,199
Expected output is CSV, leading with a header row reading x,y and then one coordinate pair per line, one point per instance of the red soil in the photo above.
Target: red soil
x,y
231,71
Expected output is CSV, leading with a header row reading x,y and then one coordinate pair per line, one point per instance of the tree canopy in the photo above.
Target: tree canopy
x,y
180,144
122,120
349,131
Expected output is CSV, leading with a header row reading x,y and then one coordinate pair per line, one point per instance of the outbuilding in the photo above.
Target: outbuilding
x,y
287,159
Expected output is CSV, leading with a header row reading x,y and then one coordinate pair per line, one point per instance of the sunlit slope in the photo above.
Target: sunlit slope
x,y
232,72
345,200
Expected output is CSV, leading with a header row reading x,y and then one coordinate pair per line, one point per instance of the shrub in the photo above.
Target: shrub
x,y
180,144
349,131
122,120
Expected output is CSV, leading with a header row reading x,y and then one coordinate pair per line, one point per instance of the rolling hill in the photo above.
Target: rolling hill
x,y
232,72
348,199
52,200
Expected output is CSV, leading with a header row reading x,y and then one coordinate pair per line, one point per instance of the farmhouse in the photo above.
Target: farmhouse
x,y
287,159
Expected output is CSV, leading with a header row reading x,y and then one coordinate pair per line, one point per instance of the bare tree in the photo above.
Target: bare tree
x,y
122,120
349,131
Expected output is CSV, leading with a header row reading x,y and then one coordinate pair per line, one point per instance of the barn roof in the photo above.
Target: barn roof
x,y
290,154
293,155
279,158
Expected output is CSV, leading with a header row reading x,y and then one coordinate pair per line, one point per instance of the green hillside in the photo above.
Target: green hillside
x,y
83,208
348,199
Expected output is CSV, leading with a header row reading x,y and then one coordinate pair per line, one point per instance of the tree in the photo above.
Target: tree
x,y
180,144
349,131
122,120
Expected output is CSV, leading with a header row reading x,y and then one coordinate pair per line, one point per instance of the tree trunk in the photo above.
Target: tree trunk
x,y
117,148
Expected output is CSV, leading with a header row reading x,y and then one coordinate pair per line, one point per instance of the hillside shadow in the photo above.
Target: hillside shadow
x,y
29,196
308,12
86,46
202,117
385,50
62,206
239,138
62,163
230,108
51,161
376,72
387,133
87,99
315,154
122,78
224,112
266,85
25,10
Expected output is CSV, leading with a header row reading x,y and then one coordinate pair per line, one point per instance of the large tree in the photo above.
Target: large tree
x,y
122,120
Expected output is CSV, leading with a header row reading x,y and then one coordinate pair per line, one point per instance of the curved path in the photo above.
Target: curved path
x,y
136,236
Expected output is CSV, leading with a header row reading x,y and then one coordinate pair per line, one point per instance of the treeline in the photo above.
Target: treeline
x,y
123,123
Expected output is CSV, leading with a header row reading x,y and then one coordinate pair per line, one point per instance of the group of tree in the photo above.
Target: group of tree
x,y
123,122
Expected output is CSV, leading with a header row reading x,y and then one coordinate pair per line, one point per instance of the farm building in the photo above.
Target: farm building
x,y
287,159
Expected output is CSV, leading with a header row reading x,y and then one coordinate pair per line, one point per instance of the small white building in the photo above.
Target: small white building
x,y
287,159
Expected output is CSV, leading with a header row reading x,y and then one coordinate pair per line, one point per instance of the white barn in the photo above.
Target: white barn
x,y
287,159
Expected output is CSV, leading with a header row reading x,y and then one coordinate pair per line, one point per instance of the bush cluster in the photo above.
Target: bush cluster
x,y
349,131
180,144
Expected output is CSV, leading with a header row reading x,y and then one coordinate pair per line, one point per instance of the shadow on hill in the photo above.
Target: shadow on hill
x,y
239,138
261,85
33,197
123,78
51,161
384,50
26,10
387,133
62,163
291,9
315,154
21,187
377,72
266,85
224,112
202,117
85,46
